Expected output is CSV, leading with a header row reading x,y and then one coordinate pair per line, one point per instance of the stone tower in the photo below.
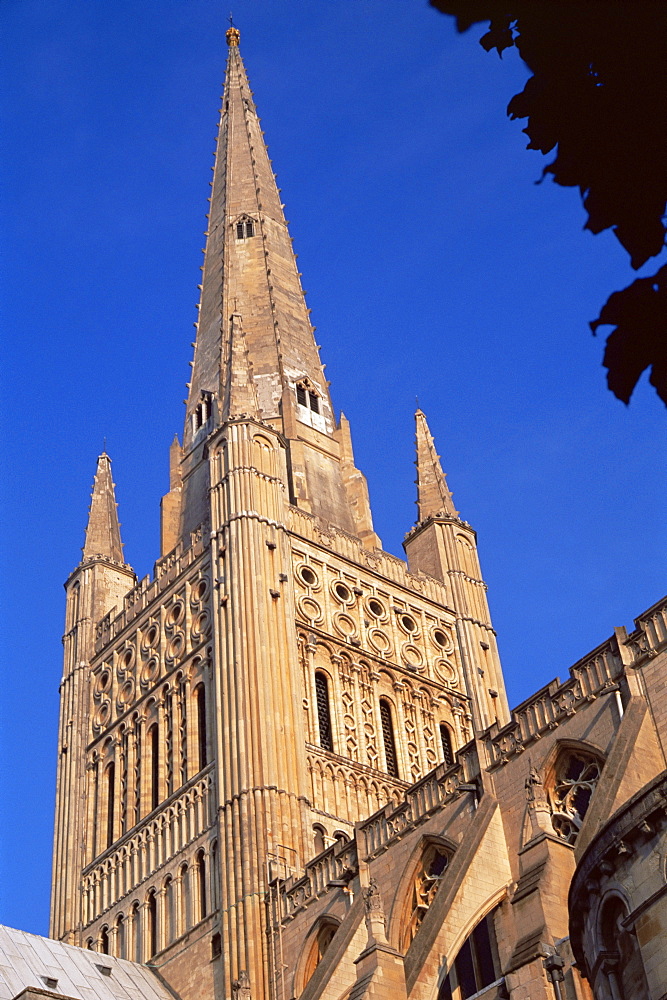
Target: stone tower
x,y
280,678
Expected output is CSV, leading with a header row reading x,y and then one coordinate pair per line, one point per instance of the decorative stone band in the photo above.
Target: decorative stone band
x,y
149,846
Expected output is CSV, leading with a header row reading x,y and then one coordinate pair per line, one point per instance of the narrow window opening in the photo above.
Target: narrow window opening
x,y
319,842
155,767
104,941
201,874
120,937
323,711
301,395
216,946
249,228
152,924
239,230
111,781
446,740
201,725
314,402
388,738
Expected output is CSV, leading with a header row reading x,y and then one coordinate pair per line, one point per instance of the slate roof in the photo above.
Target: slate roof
x,y
27,960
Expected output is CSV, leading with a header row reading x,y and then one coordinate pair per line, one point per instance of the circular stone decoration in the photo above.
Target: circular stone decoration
x,y
126,693
379,640
308,576
102,682
344,625
310,609
176,647
151,636
150,671
199,592
102,715
376,608
126,660
412,656
446,672
200,624
341,592
175,613
442,639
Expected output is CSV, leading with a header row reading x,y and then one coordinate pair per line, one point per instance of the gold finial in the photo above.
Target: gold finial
x,y
233,34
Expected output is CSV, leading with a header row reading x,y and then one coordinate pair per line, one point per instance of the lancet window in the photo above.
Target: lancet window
x,y
201,883
391,760
321,942
323,711
573,783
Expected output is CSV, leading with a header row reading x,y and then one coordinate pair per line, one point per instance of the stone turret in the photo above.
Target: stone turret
x,y
444,546
97,585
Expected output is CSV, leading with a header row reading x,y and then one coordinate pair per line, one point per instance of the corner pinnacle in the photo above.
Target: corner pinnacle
x,y
433,495
103,529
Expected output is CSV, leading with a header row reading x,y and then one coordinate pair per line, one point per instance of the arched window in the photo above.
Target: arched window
x,y
135,917
185,917
307,396
573,782
110,778
341,838
446,741
151,914
622,964
201,883
321,942
120,936
214,874
323,712
475,967
319,843
200,695
153,743
168,912
388,738
104,940
90,944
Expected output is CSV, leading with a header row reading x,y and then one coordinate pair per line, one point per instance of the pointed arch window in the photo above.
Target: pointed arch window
x,y
323,711
104,940
388,738
574,779
429,875
446,741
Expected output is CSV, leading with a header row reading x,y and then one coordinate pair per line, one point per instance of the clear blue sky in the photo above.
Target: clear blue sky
x,y
436,267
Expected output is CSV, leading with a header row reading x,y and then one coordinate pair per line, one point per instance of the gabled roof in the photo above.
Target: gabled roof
x,y
28,961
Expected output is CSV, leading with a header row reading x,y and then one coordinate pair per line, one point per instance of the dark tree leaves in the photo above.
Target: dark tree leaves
x,y
598,98
639,341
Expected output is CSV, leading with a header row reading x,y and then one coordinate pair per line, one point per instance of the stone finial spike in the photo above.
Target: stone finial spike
x,y
433,495
239,393
103,529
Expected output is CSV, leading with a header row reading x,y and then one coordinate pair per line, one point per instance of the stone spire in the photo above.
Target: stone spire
x,y
433,495
250,269
103,530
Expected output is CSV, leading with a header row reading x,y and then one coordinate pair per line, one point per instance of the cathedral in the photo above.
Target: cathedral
x,y
287,766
